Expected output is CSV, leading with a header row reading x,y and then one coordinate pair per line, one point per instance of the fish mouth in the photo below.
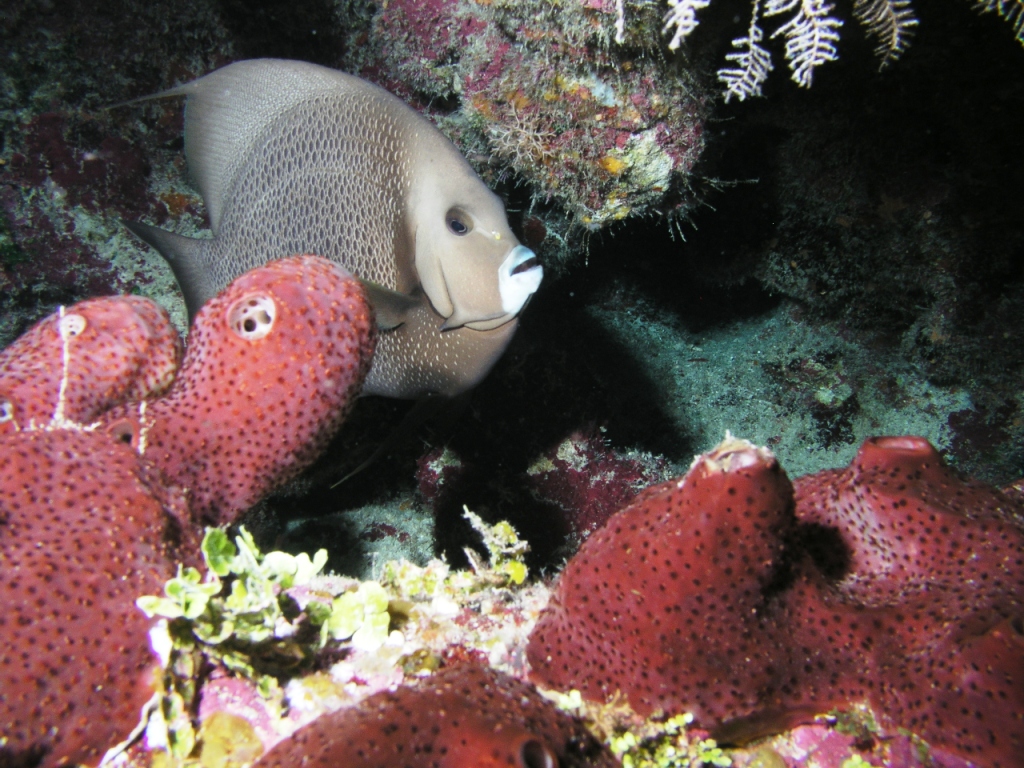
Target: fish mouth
x,y
527,265
519,277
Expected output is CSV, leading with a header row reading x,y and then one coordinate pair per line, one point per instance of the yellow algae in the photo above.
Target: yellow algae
x,y
228,741
612,164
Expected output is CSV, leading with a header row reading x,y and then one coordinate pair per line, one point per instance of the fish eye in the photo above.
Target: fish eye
x,y
458,222
252,317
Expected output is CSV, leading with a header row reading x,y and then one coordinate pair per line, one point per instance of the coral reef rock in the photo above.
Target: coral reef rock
x,y
82,534
891,583
605,131
273,364
82,361
466,715
588,481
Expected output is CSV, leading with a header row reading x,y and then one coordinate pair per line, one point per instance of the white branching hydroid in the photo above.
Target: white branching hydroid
x,y
682,17
753,63
890,22
810,32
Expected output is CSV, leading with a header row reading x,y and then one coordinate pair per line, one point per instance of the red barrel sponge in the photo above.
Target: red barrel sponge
x,y
659,603
85,359
914,528
82,535
465,716
273,364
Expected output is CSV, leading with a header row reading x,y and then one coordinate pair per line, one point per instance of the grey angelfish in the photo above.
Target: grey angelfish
x,y
296,158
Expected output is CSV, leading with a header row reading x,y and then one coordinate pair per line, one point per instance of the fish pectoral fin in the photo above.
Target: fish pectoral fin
x,y
390,307
184,256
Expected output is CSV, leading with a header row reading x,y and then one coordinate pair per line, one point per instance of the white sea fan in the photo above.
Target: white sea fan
x,y
811,35
682,16
754,62
890,22
1011,10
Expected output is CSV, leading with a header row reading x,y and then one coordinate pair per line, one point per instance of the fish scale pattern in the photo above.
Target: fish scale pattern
x,y
461,717
82,534
118,348
273,366
348,210
754,605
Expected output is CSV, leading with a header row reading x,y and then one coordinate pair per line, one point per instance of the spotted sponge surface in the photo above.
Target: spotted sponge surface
x,y
107,351
912,526
81,536
657,603
891,582
937,563
273,365
466,716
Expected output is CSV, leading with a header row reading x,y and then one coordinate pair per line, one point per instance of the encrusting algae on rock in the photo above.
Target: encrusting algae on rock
x,y
599,132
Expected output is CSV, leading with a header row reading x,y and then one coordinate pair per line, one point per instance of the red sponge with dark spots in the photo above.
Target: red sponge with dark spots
x,y
102,352
663,602
465,716
913,528
895,584
81,536
274,363
938,563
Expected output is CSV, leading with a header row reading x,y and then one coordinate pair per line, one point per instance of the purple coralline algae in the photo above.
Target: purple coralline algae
x,y
603,131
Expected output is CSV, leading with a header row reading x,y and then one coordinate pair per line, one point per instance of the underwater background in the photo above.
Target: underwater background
x,y
806,269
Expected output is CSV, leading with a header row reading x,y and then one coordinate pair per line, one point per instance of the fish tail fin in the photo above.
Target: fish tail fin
x,y
185,257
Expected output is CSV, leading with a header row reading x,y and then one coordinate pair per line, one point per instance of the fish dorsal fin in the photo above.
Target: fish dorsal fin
x,y
185,257
391,308
228,110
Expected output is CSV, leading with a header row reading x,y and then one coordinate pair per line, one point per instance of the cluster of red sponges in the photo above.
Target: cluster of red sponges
x,y
723,594
90,517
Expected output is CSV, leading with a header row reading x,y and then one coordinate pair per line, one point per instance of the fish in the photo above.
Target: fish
x,y
292,157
